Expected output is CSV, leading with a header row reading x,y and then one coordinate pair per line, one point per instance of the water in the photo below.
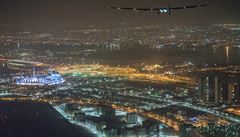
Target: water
x,y
29,119
206,55
224,55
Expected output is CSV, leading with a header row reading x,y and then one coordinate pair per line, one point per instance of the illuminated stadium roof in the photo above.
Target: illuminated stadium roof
x,y
53,78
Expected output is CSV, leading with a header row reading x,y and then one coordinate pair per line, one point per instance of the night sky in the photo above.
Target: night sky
x,y
98,13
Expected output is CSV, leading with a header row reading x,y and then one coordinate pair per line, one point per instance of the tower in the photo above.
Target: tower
x,y
217,90
18,45
209,89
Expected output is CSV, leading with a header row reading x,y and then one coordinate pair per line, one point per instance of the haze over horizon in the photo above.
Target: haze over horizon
x,y
98,13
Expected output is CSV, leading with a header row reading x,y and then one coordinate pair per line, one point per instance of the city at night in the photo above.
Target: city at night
x,y
119,68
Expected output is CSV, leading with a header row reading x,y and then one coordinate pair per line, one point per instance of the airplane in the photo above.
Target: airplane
x,y
161,10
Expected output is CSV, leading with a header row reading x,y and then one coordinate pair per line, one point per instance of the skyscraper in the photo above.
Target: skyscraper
x,y
219,88
209,89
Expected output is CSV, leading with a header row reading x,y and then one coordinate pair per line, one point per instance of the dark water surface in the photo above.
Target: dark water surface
x,y
29,119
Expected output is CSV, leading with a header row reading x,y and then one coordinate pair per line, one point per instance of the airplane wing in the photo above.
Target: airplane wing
x,y
128,8
188,7
160,10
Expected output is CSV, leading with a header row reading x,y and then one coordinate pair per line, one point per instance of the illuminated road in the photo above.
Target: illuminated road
x,y
235,111
129,73
210,111
228,69
188,105
20,62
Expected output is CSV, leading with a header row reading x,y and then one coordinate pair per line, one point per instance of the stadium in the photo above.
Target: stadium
x,y
52,78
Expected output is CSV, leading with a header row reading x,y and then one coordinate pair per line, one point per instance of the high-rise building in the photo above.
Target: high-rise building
x,y
105,111
219,88
132,118
187,130
237,93
209,89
